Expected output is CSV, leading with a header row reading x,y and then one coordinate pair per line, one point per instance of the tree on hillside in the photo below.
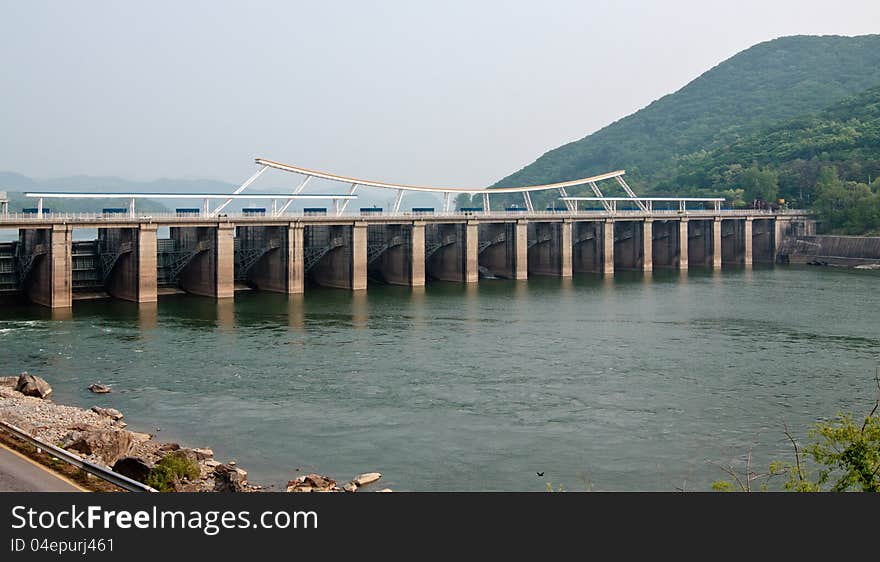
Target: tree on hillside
x,y
759,183
845,206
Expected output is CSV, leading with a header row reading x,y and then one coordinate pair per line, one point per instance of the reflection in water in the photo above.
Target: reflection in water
x,y
472,306
148,315
566,284
226,314
607,282
717,276
61,313
296,311
360,309
418,308
520,289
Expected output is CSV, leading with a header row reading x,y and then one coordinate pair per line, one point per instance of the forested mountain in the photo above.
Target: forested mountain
x,y
767,121
829,161
769,82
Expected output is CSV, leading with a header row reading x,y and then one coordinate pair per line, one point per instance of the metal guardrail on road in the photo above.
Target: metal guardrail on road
x,y
103,473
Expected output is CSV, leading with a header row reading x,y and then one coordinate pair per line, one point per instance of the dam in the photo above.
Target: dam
x,y
212,253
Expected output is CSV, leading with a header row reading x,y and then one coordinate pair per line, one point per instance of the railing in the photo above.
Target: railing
x,y
109,259
433,246
103,473
313,256
374,251
183,256
247,258
170,218
485,244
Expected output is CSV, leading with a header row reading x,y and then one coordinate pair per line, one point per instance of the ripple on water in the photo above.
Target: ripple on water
x,y
627,384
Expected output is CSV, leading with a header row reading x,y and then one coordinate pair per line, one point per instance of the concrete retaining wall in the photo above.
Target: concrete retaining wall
x,y
847,251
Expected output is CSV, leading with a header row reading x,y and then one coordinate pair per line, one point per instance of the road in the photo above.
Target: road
x,y
20,474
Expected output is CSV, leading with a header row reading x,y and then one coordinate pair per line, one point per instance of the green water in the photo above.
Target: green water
x,y
634,383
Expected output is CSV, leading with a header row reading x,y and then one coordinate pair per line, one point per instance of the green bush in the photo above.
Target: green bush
x,y
169,471
845,454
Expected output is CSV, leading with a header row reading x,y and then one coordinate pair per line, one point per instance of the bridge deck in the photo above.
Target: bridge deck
x,y
97,220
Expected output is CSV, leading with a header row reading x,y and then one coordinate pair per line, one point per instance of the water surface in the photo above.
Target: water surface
x,y
631,383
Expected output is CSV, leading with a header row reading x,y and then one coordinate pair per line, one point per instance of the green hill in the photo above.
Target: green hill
x,y
828,160
765,84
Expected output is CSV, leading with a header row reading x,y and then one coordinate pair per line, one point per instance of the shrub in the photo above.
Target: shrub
x,y
169,471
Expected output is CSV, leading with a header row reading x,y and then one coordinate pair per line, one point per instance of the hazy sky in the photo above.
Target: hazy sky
x,y
446,93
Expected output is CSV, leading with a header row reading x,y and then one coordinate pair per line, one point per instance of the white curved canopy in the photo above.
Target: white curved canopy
x,y
467,190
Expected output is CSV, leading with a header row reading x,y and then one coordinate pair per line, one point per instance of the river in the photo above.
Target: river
x,y
640,382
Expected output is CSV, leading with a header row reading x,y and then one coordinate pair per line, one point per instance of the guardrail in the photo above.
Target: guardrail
x,y
103,473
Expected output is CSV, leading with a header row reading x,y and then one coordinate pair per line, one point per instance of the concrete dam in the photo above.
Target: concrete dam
x,y
212,253
214,256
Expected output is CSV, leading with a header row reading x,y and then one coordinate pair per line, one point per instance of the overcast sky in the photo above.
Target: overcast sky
x,y
443,93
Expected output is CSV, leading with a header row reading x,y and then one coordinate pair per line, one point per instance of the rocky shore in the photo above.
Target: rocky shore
x,y
99,435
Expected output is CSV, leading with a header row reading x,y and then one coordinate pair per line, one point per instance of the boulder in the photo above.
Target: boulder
x,y
132,467
168,447
228,479
32,385
312,483
11,382
350,487
366,478
111,413
98,388
108,445
139,436
203,453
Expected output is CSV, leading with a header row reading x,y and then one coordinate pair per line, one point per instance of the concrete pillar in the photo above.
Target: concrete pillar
x,y
211,270
400,253
747,254
521,247
133,276
683,244
147,248
359,256
62,266
608,247
449,262
50,282
716,243
648,245
471,247
224,249
51,279
295,259
343,249
417,257
565,251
